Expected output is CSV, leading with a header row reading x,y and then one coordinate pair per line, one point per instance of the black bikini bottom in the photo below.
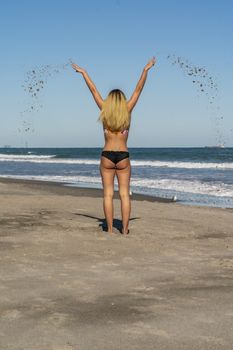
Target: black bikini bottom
x,y
115,156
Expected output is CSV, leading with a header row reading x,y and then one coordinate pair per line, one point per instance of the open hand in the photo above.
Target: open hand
x,y
77,68
150,63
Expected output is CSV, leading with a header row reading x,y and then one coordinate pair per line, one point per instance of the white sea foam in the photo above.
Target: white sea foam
x,y
184,165
198,187
58,178
24,157
51,159
184,186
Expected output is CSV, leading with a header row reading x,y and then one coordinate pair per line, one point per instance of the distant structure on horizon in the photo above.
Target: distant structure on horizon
x,y
7,146
216,146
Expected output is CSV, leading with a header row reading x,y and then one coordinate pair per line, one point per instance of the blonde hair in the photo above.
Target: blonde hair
x,y
114,114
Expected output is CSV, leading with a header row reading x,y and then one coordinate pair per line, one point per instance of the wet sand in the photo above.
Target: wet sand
x,y
67,284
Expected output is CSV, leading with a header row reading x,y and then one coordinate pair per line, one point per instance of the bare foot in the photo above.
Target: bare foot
x,y
125,232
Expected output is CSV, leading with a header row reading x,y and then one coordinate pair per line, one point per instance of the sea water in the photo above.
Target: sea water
x,y
197,176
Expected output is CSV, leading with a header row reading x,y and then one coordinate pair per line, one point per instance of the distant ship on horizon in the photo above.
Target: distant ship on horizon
x,y
221,145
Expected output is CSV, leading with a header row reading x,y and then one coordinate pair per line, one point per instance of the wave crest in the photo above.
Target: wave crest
x,y
137,163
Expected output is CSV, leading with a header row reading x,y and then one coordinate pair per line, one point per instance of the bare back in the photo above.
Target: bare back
x,y
115,141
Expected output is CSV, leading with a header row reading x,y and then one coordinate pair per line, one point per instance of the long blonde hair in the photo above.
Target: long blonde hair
x,y
114,114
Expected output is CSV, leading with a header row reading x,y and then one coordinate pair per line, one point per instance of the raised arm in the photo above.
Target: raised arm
x,y
97,97
133,100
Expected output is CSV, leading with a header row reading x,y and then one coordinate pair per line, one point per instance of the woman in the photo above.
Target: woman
x,y
116,116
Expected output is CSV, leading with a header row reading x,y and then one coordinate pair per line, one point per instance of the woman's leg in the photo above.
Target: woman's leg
x,y
123,175
107,172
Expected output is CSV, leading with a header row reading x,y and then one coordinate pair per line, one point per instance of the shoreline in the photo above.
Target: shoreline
x,y
62,188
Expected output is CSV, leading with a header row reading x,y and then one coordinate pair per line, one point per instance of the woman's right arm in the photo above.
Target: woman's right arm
x,y
95,93
134,98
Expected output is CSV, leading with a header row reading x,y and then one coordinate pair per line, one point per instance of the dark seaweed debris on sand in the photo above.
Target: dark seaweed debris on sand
x,y
34,83
206,86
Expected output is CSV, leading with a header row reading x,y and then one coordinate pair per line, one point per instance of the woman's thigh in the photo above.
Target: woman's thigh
x,y
107,175
123,173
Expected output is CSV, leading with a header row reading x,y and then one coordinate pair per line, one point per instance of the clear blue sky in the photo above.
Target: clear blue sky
x,y
113,40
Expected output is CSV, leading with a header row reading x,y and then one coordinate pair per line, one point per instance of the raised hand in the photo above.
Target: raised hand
x,y
150,63
77,68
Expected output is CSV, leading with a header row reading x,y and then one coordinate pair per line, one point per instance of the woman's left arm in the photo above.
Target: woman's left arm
x,y
97,97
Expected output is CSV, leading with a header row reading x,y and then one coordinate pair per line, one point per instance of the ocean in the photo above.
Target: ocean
x,y
196,176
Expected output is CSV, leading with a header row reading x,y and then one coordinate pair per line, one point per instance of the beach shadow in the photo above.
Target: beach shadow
x,y
103,224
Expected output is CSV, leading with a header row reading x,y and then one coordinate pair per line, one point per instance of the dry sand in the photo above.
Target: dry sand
x,y
67,284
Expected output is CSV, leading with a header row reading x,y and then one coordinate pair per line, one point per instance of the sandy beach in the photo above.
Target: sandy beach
x,y
67,284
